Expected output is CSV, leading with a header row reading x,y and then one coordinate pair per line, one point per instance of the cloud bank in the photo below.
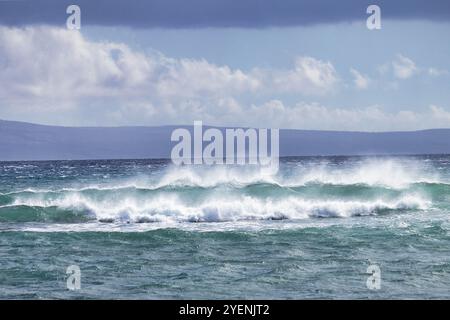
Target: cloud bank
x,y
54,75
44,69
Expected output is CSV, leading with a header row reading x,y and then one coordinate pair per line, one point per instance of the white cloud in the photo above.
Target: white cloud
x,y
187,77
309,74
54,75
49,62
37,60
404,67
51,74
361,81
441,115
372,118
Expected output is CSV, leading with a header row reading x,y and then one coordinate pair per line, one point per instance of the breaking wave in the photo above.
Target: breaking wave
x,y
170,208
216,194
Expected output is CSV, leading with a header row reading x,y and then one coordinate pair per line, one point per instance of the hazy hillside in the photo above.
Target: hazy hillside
x,y
25,141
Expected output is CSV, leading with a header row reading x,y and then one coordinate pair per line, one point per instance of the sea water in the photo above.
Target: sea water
x,y
146,229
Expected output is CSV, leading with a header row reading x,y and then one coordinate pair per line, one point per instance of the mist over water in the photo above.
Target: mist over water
x,y
310,231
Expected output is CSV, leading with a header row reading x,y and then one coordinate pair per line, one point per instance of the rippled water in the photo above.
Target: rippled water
x,y
146,229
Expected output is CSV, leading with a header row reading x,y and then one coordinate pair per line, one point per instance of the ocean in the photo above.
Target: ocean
x,y
146,229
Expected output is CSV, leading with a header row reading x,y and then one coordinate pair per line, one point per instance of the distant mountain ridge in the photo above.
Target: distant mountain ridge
x,y
27,141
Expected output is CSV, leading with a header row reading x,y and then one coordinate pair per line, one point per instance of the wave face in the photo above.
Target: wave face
x,y
155,191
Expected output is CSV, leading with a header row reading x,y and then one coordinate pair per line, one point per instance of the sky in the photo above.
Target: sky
x,y
276,64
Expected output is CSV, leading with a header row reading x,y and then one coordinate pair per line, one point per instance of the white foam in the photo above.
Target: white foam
x,y
391,173
385,173
169,207
388,173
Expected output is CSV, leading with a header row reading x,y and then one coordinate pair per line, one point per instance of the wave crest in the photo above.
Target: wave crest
x,y
171,208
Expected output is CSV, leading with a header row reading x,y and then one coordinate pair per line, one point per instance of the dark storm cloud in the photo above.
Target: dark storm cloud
x,y
215,13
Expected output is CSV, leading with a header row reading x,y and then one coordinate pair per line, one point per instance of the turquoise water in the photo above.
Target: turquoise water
x,y
145,229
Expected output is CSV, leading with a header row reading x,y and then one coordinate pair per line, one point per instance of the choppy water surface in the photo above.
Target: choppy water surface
x,y
146,229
